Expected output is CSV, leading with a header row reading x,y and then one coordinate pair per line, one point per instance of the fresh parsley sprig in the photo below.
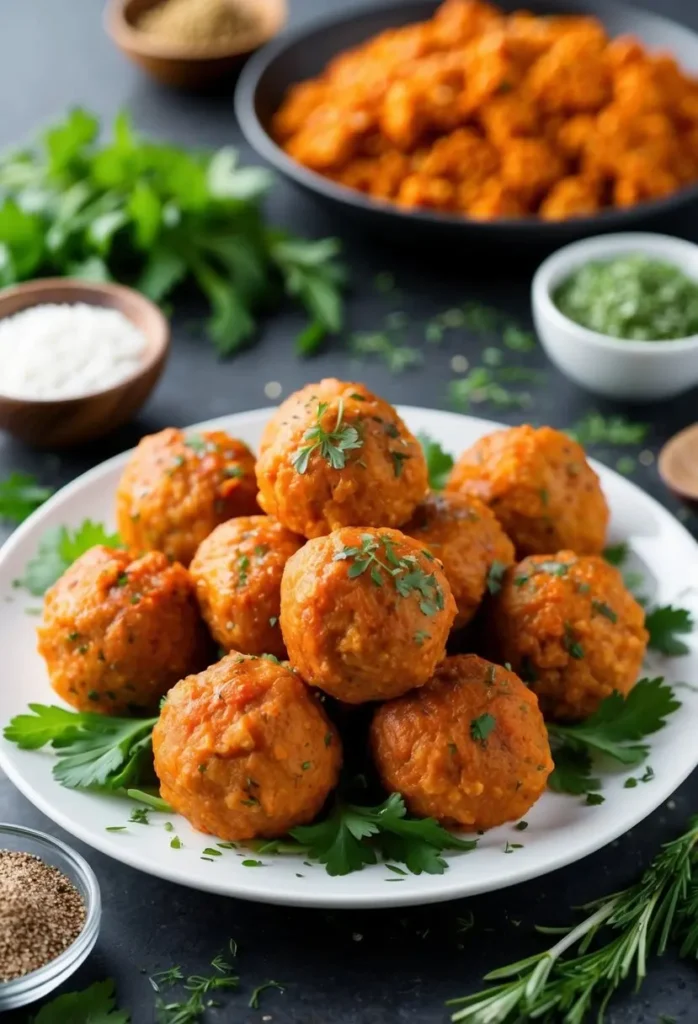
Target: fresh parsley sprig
x,y
58,549
665,625
93,1005
20,495
159,216
612,944
615,730
331,445
93,750
352,836
439,462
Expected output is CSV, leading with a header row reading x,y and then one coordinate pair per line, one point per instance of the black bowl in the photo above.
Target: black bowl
x,y
304,53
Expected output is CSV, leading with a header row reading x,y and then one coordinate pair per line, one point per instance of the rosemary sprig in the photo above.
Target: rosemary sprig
x,y
331,444
624,929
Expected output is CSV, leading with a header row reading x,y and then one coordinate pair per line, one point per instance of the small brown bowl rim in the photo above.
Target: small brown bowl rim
x,y
129,38
157,334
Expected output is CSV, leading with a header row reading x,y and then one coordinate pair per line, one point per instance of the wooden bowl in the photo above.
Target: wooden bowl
x,y
58,422
183,66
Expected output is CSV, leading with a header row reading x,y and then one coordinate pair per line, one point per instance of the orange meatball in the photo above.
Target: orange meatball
x,y
237,572
117,633
244,749
539,485
468,541
176,488
470,748
335,455
570,628
365,613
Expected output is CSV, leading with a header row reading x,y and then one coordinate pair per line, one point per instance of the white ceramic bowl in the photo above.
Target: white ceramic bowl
x,y
641,371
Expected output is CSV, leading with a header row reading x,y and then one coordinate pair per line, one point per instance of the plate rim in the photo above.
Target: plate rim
x,y
452,887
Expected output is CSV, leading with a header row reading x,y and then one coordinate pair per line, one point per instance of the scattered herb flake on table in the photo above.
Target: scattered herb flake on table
x,y
596,429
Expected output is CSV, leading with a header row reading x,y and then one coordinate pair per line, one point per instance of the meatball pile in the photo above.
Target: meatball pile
x,y
252,632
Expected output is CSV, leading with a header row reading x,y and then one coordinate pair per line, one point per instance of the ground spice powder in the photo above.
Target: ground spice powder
x,y
41,913
196,23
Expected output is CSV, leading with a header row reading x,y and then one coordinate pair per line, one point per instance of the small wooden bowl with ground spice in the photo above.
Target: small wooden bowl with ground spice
x,y
192,44
50,912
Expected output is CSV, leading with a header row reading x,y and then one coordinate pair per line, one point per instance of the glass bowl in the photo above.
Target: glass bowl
x,y
37,984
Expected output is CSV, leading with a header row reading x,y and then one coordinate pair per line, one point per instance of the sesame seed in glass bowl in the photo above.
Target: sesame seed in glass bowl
x,y
50,910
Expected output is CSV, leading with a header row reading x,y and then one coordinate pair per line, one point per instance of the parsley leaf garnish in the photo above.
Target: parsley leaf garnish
x,y
92,749
93,1005
495,576
617,554
615,729
572,644
601,608
353,836
385,565
439,462
20,495
58,549
481,727
331,444
663,624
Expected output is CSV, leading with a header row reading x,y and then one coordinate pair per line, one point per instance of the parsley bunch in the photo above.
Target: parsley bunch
x,y
158,216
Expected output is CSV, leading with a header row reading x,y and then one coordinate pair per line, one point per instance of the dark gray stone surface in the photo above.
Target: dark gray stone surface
x,y
341,967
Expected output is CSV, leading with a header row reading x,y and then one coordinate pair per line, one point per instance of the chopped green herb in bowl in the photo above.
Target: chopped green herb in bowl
x,y
633,297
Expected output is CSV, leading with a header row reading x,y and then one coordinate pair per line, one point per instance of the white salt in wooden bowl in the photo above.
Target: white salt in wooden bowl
x,y
60,422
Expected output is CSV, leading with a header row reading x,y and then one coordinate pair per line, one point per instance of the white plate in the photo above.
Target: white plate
x,y
561,828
